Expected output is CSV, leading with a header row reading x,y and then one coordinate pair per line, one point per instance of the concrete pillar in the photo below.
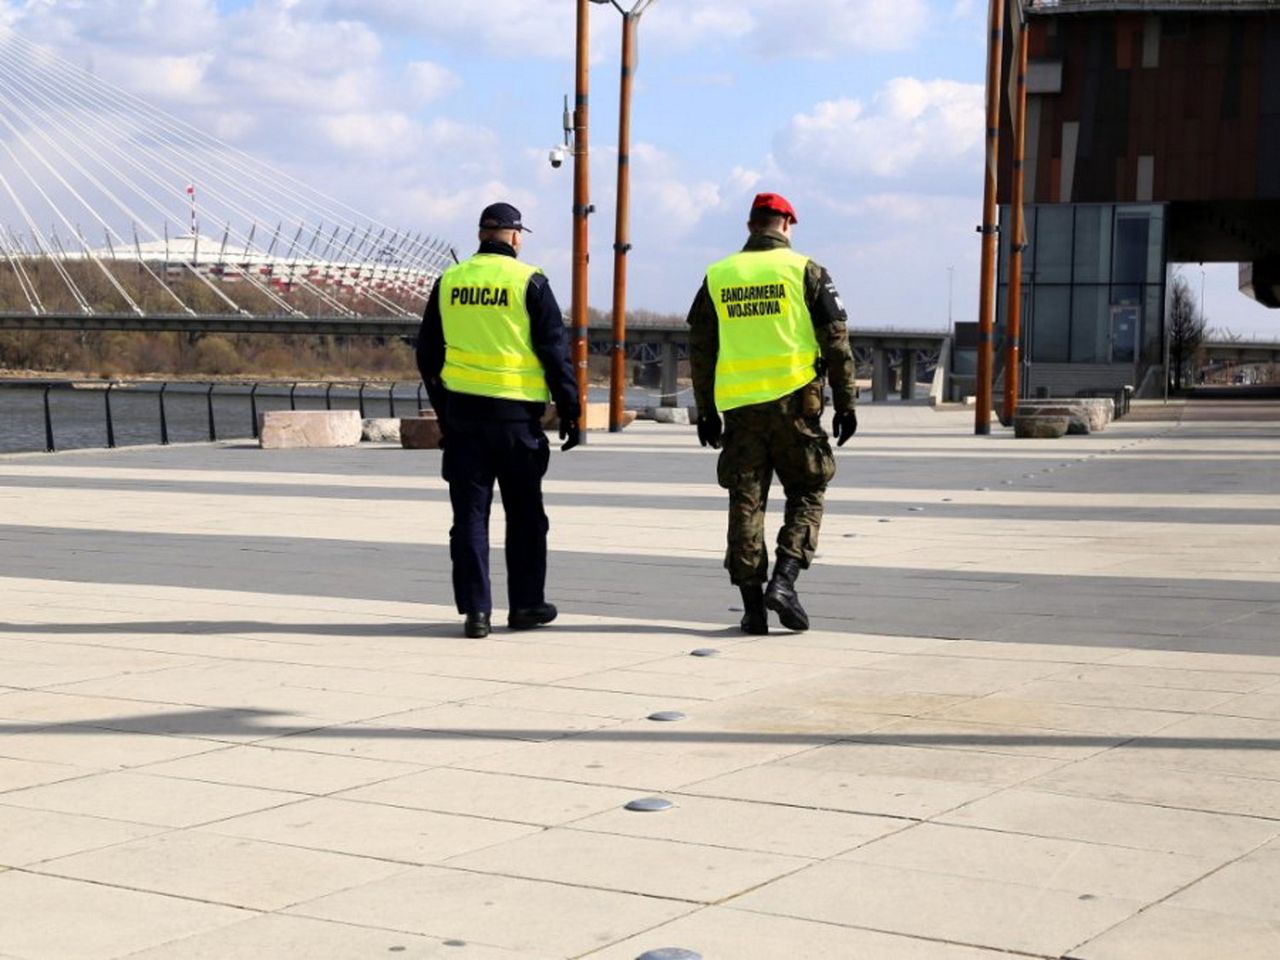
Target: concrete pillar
x,y
908,374
880,374
670,368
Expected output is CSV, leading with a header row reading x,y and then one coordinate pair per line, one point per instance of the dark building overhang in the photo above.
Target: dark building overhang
x,y
1044,8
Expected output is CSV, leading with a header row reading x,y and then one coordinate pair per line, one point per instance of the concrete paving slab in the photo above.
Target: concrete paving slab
x,y
1137,780
396,744
96,746
1260,706
291,771
584,703
843,790
1134,825
547,919
20,774
1073,866
997,738
655,868
1121,696
720,932
273,935
494,796
1001,915
1173,933
139,798
765,828
630,763
226,870
49,918
1249,887
863,759
388,833
29,836
508,723
1003,709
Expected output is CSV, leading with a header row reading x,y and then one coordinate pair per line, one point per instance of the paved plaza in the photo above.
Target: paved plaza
x,y
1038,714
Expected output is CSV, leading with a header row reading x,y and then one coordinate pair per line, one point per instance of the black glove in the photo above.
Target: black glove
x,y
710,430
570,433
844,426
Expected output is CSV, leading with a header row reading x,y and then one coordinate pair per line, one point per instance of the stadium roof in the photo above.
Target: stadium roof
x,y
1045,7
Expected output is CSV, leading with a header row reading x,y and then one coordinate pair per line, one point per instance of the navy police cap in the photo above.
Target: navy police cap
x,y
501,216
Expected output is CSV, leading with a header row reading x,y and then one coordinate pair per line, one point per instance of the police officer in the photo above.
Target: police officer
x,y
492,352
764,327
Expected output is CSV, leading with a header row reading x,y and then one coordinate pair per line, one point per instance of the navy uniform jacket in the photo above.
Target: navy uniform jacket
x,y
550,345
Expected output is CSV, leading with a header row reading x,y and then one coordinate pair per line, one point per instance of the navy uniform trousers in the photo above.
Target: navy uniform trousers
x,y
514,453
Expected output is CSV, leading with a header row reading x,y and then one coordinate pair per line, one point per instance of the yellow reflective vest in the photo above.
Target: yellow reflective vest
x,y
488,348
767,345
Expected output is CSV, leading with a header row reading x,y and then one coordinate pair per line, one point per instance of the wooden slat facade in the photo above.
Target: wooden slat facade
x,y
1208,113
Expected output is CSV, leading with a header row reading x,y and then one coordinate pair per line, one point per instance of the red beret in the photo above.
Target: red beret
x,y
774,203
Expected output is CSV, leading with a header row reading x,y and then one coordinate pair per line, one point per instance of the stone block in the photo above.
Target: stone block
x,y
1034,426
293,429
595,417
381,430
1102,410
1078,413
420,433
677,415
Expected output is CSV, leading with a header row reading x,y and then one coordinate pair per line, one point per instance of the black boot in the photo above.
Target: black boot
x,y
780,596
755,620
526,618
476,626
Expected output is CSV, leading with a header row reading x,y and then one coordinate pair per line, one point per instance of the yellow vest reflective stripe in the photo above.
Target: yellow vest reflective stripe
x,y
767,345
488,348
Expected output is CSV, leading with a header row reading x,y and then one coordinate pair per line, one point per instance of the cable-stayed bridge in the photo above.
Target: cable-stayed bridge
x,y
117,215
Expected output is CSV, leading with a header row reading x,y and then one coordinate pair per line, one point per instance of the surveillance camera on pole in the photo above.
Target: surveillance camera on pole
x,y
564,149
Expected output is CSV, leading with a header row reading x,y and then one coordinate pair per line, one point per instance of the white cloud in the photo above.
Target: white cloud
x,y
515,29
429,81
831,28
518,29
911,126
370,133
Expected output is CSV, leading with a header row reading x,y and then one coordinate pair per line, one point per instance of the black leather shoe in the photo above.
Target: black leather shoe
x,y
755,619
529,617
477,626
780,596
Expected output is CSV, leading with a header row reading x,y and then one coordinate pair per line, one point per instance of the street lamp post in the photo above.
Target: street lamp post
x,y
989,228
581,207
622,239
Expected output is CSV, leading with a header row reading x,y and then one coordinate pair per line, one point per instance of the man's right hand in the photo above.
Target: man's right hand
x,y
710,430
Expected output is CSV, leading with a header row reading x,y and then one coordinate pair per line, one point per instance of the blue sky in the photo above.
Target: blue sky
x,y
866,113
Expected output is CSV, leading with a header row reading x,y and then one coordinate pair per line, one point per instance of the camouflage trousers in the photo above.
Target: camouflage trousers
x,y
759,441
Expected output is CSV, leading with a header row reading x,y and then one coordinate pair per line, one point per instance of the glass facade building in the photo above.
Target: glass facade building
x,y
1093,280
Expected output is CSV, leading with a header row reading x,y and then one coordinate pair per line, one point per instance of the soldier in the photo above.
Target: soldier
x,y
764,328
492,351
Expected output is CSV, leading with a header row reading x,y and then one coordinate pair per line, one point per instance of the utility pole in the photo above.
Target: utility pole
x,y
990,227
581,208
1013,349
621,244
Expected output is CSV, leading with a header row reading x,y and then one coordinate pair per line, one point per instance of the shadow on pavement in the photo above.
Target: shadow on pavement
x,y
246,724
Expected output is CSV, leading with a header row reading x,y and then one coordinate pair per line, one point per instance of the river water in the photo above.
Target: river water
x,y
78,412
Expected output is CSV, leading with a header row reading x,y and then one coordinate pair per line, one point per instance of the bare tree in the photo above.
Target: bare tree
x,y
1187,328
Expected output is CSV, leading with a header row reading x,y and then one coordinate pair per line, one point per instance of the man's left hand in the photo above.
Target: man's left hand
x,y
844,425
571,434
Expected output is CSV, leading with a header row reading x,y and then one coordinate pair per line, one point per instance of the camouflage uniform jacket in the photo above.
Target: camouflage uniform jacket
x,y
829,325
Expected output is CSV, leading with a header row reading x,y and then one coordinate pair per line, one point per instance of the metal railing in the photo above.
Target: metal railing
x,y
366,393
